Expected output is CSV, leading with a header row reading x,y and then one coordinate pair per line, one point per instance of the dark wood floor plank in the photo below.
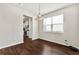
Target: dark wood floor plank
x,y
37,47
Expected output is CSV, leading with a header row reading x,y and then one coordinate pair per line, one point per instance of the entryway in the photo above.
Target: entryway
x,y
27,26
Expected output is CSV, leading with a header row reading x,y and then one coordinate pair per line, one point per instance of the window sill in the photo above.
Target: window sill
x,y
55,32
58,32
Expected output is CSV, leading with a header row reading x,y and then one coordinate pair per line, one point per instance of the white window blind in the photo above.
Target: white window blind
x,y
53,24
47,25
58,23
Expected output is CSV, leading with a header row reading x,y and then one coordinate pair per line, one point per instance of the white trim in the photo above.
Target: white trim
x,y
77,47
59,43
54,41
11,45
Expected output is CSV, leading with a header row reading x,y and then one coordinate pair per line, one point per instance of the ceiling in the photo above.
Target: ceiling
x,y
44,7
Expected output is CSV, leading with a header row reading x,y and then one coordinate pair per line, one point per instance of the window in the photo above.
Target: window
x,y
57,23
47,25
53,24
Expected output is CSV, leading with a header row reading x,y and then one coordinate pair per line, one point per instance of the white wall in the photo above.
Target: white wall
x,y
78,26
35,28
70,27
11,25
33,25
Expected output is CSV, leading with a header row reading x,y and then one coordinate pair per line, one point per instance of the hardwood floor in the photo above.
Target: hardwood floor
x,y
49,48
37,47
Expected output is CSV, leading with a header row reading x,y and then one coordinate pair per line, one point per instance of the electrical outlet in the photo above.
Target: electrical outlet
x,y
66,41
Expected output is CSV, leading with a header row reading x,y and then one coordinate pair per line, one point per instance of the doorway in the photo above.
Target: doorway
x,y
27,26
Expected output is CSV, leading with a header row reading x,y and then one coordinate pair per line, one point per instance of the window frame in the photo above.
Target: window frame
x,y
45,26
54,24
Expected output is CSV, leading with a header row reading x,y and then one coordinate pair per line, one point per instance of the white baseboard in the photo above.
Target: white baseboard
x,y
60,43
10,45
54,41
77,48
